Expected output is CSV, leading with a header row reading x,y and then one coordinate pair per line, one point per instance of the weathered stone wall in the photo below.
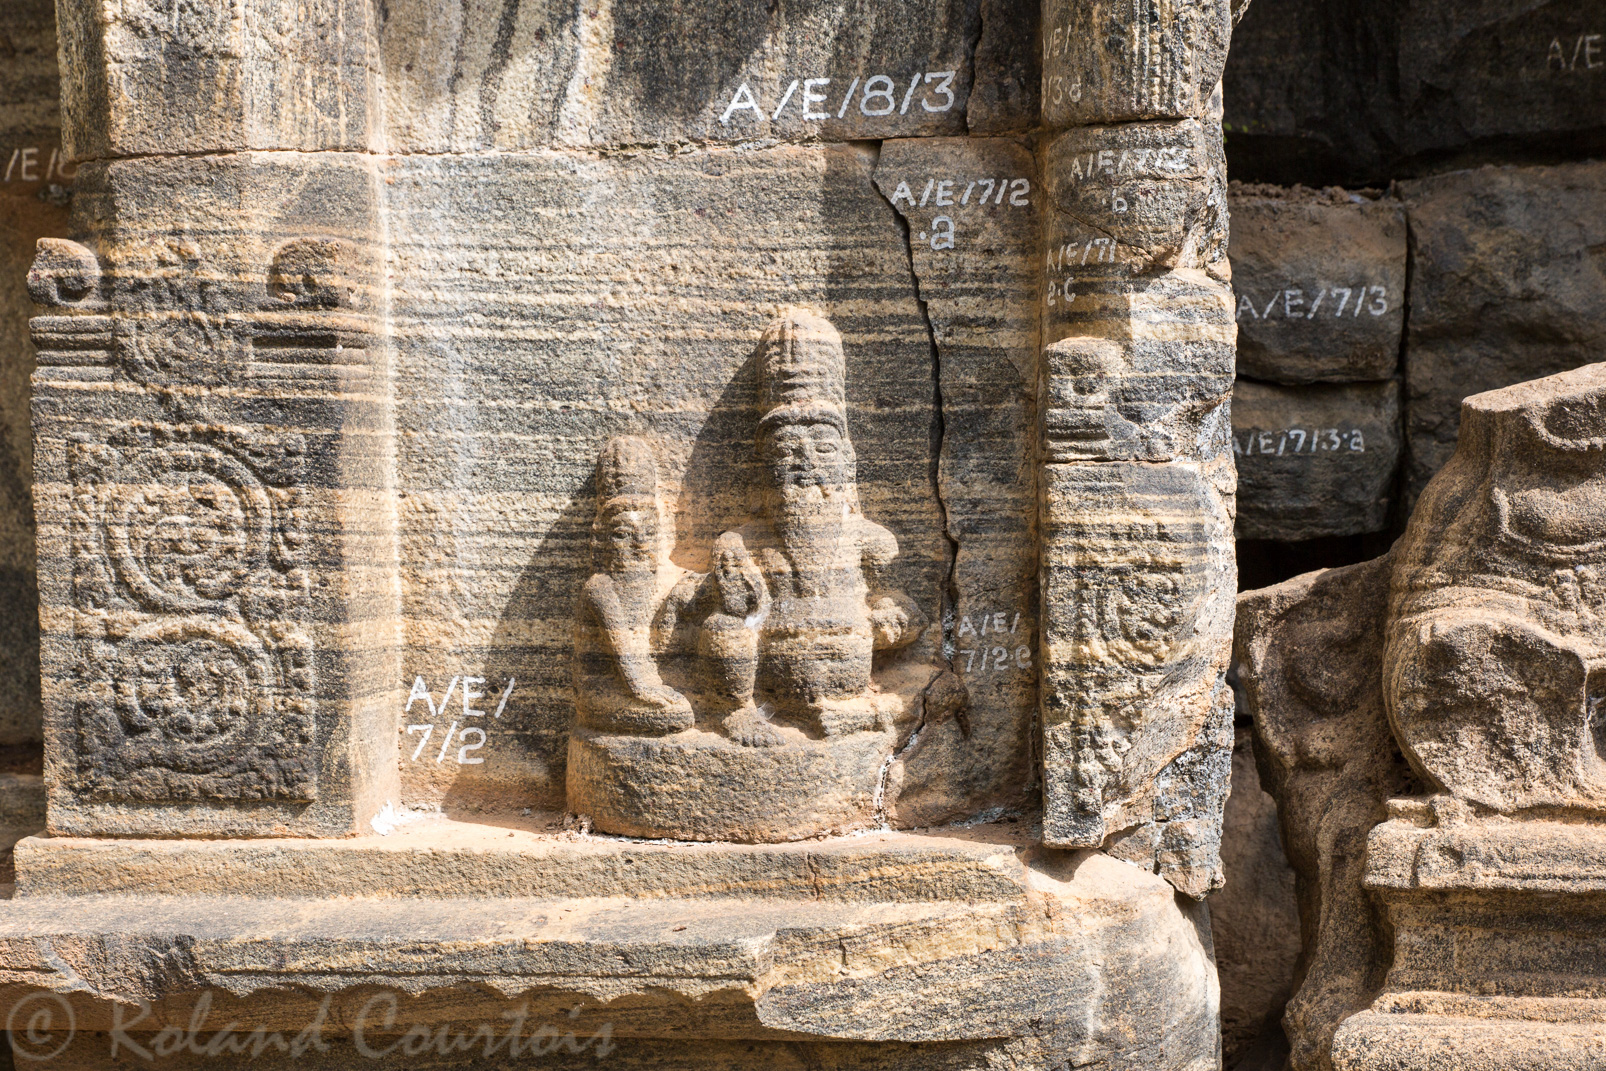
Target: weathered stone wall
x,y
614,276
34,191
1434,161
1365,91
470,433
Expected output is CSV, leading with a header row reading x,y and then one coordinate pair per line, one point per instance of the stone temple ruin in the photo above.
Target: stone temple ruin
x,y
710,535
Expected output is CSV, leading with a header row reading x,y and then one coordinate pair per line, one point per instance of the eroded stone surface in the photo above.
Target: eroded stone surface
x,y
1254,919
621,427
546,73
650,282
1507,284
148,77
208,463
1326,755
1483,654
1136,565
1161,60
917,970
1319,283
1314,461
1137,364
968,247
33,199
1494,658
1140,194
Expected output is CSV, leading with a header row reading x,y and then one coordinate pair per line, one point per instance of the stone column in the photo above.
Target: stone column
x,y
213,441
1136,492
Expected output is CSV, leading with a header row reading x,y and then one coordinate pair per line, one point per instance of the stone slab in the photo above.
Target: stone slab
x,y
548,73
1314,461
1535,856
1507,284
1318,279
1373,1042
626,295
972,207
1138,194
1370,90
772,968
212,481
1138,568
224,77
1107,62
434,857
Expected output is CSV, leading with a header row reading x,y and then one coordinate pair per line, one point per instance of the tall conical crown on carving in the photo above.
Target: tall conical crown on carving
x,y
627,474
801,370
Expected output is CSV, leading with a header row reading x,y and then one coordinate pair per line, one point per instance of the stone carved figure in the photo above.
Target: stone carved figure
x,y
1478,661
780,729
729,640
822,561
1495,668
617,684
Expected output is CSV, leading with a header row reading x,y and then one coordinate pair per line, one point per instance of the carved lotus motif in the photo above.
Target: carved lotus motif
x,y
195,527
192,681
181,349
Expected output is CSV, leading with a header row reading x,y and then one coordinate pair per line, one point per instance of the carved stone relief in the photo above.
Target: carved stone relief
x,y
1479,636
216,519
776,725
190,600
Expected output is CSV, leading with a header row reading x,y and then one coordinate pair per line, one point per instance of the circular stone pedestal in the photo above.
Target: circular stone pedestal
x,y
698,785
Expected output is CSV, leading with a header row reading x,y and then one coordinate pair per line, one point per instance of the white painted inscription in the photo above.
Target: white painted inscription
x,y
461,739
814,99
1585,52
30,164
1281,442
960,195
1297,303
992,642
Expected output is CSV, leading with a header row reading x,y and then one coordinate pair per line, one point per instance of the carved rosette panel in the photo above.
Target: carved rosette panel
x,y
191,603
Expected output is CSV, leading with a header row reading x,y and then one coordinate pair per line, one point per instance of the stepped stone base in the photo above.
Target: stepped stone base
x,y
885,951
1499,945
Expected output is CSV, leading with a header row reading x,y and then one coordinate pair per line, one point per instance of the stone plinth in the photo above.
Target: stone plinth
x,y
701,786
1499,944
890,950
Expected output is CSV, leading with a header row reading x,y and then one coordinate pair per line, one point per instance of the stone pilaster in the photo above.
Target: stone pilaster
x,y
213,440
1137,487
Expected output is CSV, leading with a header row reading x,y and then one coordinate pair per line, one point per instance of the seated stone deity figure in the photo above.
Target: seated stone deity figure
x,y
822,563
617,683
